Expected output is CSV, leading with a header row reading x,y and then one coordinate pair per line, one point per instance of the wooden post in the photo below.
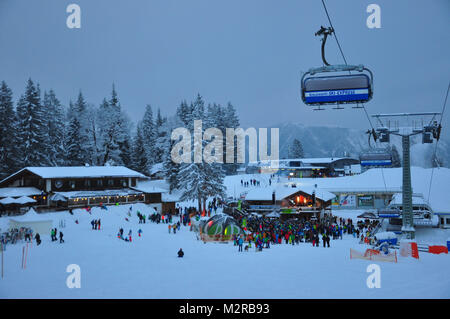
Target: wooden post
x,y
26,254
2,258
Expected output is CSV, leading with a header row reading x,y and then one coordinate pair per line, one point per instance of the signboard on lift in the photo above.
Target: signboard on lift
x,y
376,163
340,89
354,95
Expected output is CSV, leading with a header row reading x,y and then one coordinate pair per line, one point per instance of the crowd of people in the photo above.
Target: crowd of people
x,y
263,232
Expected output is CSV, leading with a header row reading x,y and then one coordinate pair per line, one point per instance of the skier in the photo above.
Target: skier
x,y
139,232
38,239
180,253
93,224
61,240
240,242
98,224
129,234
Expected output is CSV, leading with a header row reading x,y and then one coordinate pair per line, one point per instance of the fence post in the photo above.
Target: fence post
x,y
2,257
23,254
26,254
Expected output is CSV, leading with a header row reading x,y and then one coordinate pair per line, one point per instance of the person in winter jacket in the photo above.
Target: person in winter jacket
x,y
38,239
61,240
240,242
180,253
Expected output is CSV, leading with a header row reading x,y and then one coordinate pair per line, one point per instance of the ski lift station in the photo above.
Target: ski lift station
x,y
376,190
307,167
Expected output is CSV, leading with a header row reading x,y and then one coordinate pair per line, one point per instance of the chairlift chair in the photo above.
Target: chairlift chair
x,y
336,88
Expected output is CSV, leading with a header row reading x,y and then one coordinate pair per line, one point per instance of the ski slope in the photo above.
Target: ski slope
x,y
148,267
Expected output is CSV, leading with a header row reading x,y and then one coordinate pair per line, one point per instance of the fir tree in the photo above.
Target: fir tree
x,y
199,180
296,149
231,121
8,143
139,158
55,129
73,149
31,127
161,137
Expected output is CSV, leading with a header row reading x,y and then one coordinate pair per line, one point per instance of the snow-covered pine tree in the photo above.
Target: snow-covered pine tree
x,y
8,131
296,149
108,146
149,135
95,142
82,112
73,151
123,137
114,132
199,181
161,137
184,113
31,127
139,158
231,121
55,129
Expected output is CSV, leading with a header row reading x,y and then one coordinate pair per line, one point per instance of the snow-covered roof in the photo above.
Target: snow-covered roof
x,y
152,186
19,191
7,200
24,200
307,161
106,192
281,192
397,199
156,168
390,180
159,186
80,172
31,216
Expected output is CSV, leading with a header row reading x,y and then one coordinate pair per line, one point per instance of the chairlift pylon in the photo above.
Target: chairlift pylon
x,y
336,88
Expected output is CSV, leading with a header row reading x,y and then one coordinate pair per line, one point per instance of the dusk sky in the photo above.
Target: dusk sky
x,y
248,52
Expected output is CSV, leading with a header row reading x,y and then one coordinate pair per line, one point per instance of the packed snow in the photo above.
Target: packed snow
x,y
148,267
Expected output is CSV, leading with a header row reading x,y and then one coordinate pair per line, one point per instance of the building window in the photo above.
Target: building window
x,y
72,184
110,182
87,183
448,221
99,183
133,182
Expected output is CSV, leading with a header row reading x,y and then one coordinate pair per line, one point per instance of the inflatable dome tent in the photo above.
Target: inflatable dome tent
x,y
220,227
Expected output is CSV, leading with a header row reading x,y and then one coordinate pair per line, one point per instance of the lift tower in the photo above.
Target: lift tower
x,y
407,125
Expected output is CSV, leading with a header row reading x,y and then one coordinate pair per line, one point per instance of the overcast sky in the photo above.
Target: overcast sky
x,y
248,52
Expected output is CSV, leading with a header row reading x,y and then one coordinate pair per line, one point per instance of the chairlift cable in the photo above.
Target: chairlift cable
x,y
345,60
437,141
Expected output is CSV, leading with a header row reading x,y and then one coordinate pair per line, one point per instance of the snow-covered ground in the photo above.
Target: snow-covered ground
x,y
148,267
